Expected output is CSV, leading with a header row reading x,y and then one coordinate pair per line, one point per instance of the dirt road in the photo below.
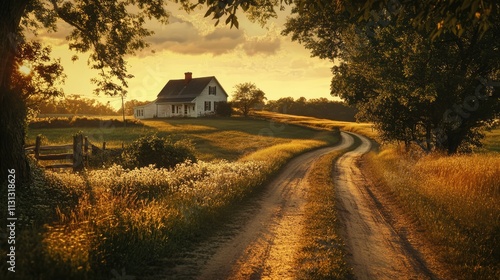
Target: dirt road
x,y
376,251
260,241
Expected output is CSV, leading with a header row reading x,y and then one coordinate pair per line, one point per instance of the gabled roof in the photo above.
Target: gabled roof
x,y
183,91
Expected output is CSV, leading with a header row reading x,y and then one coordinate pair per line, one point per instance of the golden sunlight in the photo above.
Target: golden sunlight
x,y
25,68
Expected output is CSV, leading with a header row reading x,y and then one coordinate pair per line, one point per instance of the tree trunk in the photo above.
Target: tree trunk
x,y
12,105
12,130
453,142
428,137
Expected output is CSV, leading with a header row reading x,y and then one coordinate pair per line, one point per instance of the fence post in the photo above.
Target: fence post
x,y
103,146
86,149
78,152
38,143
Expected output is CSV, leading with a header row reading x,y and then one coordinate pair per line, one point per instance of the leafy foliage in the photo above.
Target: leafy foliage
x,y
161,152
415,89
224,109
109,30
246,96
75,104
36,75
431,17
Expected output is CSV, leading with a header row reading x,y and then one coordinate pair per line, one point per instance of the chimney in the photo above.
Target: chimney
x,y
188,76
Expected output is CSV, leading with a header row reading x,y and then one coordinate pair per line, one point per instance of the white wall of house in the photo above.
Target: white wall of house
x,y
205,102
163,110
147,111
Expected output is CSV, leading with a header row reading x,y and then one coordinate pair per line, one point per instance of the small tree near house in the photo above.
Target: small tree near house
x,y
246,96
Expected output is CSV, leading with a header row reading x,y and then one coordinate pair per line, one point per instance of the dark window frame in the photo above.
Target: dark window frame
x,y
212,90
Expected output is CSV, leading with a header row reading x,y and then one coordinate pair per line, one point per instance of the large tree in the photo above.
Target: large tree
x,y
414,87
108,30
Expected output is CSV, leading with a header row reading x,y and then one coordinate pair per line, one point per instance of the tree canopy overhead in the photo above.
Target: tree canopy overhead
x,y
431,90
433,17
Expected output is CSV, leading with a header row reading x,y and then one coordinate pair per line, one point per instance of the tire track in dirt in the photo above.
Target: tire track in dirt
x,y
265,248
375,250
260,240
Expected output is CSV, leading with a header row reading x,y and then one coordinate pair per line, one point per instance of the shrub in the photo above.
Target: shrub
x,y
162,152
224,109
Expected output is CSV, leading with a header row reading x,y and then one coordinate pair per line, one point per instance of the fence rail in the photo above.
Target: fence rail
x,y
74,159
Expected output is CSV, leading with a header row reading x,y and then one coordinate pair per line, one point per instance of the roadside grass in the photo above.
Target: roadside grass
x,y
455,199
82,226
322,252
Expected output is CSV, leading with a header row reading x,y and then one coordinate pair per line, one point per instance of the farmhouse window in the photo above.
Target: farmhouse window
x,y
173,109
208,106
212,90
216,105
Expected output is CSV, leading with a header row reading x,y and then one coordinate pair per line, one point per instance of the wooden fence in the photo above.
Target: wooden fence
x,y
74,154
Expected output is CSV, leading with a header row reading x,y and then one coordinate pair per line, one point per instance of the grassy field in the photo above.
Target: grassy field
x,y
227,139
82,226
325,124
491,141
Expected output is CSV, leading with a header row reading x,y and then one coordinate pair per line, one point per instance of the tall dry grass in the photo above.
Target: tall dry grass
x,y
82,226
124,218
456,199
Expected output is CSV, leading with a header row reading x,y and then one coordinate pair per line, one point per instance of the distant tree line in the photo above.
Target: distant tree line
x,y
76,104
316,107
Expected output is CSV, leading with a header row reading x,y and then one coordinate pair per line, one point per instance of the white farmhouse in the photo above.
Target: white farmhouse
x,y
188,97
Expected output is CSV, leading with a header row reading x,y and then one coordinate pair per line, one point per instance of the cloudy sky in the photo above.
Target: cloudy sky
x,y
191,43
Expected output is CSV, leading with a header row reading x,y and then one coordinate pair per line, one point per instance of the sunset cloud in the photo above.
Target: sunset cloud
x,y
190,42
266,45
183,37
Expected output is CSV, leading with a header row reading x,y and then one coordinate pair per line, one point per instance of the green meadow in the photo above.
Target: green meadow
x,y
227,139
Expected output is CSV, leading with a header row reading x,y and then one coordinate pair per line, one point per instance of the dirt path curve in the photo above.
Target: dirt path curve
x,y
260,240
265,247
375,250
